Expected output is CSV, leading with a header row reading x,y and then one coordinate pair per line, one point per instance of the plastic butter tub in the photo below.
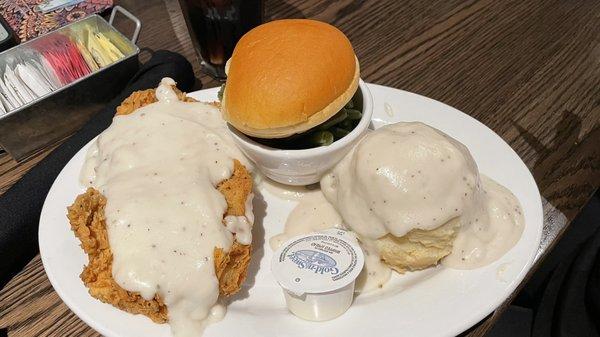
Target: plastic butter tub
x,y
317,272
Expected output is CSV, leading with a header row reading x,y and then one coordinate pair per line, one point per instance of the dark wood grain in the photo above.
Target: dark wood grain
x,y
530,70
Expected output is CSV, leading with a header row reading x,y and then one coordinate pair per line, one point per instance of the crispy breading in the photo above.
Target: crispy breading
x,y
88,222
231,266
144,97
86,216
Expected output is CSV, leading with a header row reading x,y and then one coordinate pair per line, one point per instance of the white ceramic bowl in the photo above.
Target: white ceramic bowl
x,y
304,167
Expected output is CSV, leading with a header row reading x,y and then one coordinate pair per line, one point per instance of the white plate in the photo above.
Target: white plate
x,y
434,302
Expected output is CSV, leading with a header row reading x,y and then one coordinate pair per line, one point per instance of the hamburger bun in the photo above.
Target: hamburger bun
x,y
288,76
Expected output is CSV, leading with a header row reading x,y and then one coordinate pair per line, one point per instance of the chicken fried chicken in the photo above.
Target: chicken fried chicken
x,y
88,222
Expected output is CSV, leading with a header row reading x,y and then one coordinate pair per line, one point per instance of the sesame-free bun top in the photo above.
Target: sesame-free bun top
x,y
287,76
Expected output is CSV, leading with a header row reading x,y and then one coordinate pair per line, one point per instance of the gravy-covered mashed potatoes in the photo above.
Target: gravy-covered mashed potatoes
x,y
414,195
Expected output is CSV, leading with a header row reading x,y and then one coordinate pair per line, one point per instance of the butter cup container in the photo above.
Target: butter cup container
x,y
317,272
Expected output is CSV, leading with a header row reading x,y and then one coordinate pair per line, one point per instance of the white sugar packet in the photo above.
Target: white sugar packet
x,y
33,60
3,110
51,75
48,76
11,94
4,98
21,90
33,79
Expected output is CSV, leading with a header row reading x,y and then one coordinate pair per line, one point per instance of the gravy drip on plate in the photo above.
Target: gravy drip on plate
x,y
158,168
490,232
314,213
281,191
409,175
375,273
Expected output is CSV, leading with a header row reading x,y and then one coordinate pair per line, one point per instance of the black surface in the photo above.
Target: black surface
x,y
562,299
11,40
21,205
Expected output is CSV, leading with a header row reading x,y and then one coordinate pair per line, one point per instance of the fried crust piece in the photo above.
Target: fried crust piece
x,y
231,266
88,222
86,216
144,97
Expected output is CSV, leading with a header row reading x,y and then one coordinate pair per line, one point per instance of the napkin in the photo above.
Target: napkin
x,y
21,205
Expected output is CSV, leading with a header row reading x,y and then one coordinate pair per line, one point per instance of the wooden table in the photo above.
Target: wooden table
x,y
528,69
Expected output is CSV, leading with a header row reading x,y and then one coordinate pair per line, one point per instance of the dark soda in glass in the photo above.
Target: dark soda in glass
x,y
215,27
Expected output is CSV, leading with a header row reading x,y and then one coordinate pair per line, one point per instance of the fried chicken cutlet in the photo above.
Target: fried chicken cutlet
x,y
88,222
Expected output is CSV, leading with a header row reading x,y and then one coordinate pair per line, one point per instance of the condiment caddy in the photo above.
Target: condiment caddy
x,y
50,86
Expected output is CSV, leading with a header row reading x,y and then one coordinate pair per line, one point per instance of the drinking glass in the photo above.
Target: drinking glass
x,y
216,26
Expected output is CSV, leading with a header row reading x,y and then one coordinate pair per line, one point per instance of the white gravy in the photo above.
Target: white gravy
x,y
375,273
282,191
409,175
400,177
489,233
312,214
158,168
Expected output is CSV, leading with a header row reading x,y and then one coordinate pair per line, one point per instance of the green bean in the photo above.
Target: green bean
x,y
339,132
220,93
337,118
336,127
347,124
320,138
354,114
